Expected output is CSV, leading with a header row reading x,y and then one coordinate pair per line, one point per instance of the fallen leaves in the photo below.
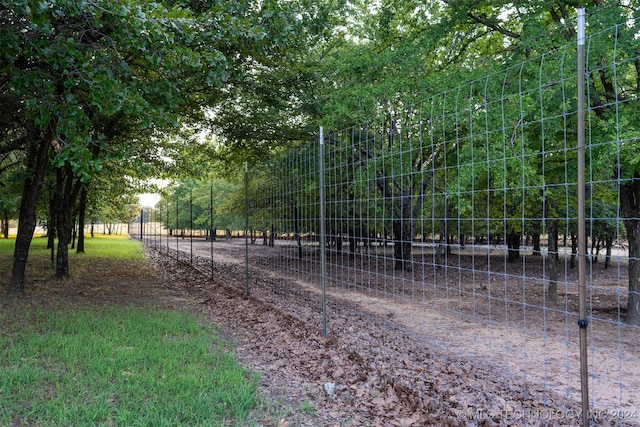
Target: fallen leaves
x,y
378,379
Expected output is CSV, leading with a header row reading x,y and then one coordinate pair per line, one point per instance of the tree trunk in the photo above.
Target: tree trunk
x,y
608,241
630,211
51,225
63,226
552,271
272,237
67,197
443,246
595,249
82,209
39,160
353,244
5,224
402,245
62,255
633,305
74,233
574,250
535,239
513,246
296,227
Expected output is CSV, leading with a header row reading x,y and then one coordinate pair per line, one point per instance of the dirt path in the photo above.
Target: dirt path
x,y
396,363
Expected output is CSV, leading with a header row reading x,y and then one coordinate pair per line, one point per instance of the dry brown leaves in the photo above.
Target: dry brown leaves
x,y
381,379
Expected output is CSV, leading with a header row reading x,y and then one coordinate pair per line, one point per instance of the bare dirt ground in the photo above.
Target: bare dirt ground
x,y
470,344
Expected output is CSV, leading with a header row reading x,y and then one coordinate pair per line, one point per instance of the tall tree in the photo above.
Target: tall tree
x,y
94,76
613,84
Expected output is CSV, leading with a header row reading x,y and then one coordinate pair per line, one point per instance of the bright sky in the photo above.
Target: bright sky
x,y
148,199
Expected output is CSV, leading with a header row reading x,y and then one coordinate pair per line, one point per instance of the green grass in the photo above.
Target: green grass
x,y
119,366
6,246
114,247
76,362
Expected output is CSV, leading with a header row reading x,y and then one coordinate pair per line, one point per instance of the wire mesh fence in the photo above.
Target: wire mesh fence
x,y
456,220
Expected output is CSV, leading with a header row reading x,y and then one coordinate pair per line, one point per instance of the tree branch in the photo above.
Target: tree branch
x,y
494,26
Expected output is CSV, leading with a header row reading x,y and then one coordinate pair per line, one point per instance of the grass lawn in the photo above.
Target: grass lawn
x,y
91,350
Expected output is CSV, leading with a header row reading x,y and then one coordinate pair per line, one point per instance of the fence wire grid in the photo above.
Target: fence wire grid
x,y
457,219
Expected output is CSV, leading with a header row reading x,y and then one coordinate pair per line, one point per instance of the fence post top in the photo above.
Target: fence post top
x,y
581,25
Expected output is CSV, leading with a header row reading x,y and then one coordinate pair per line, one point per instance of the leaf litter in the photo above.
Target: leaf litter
x,y
383,376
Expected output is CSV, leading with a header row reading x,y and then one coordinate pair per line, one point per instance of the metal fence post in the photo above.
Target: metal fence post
x,y
191,226
323,247
582,242
211,236
246,226
177,226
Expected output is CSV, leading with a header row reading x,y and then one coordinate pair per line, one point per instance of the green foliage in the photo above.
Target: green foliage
x,y
483,94
187,204
277,102
119,86
112,79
